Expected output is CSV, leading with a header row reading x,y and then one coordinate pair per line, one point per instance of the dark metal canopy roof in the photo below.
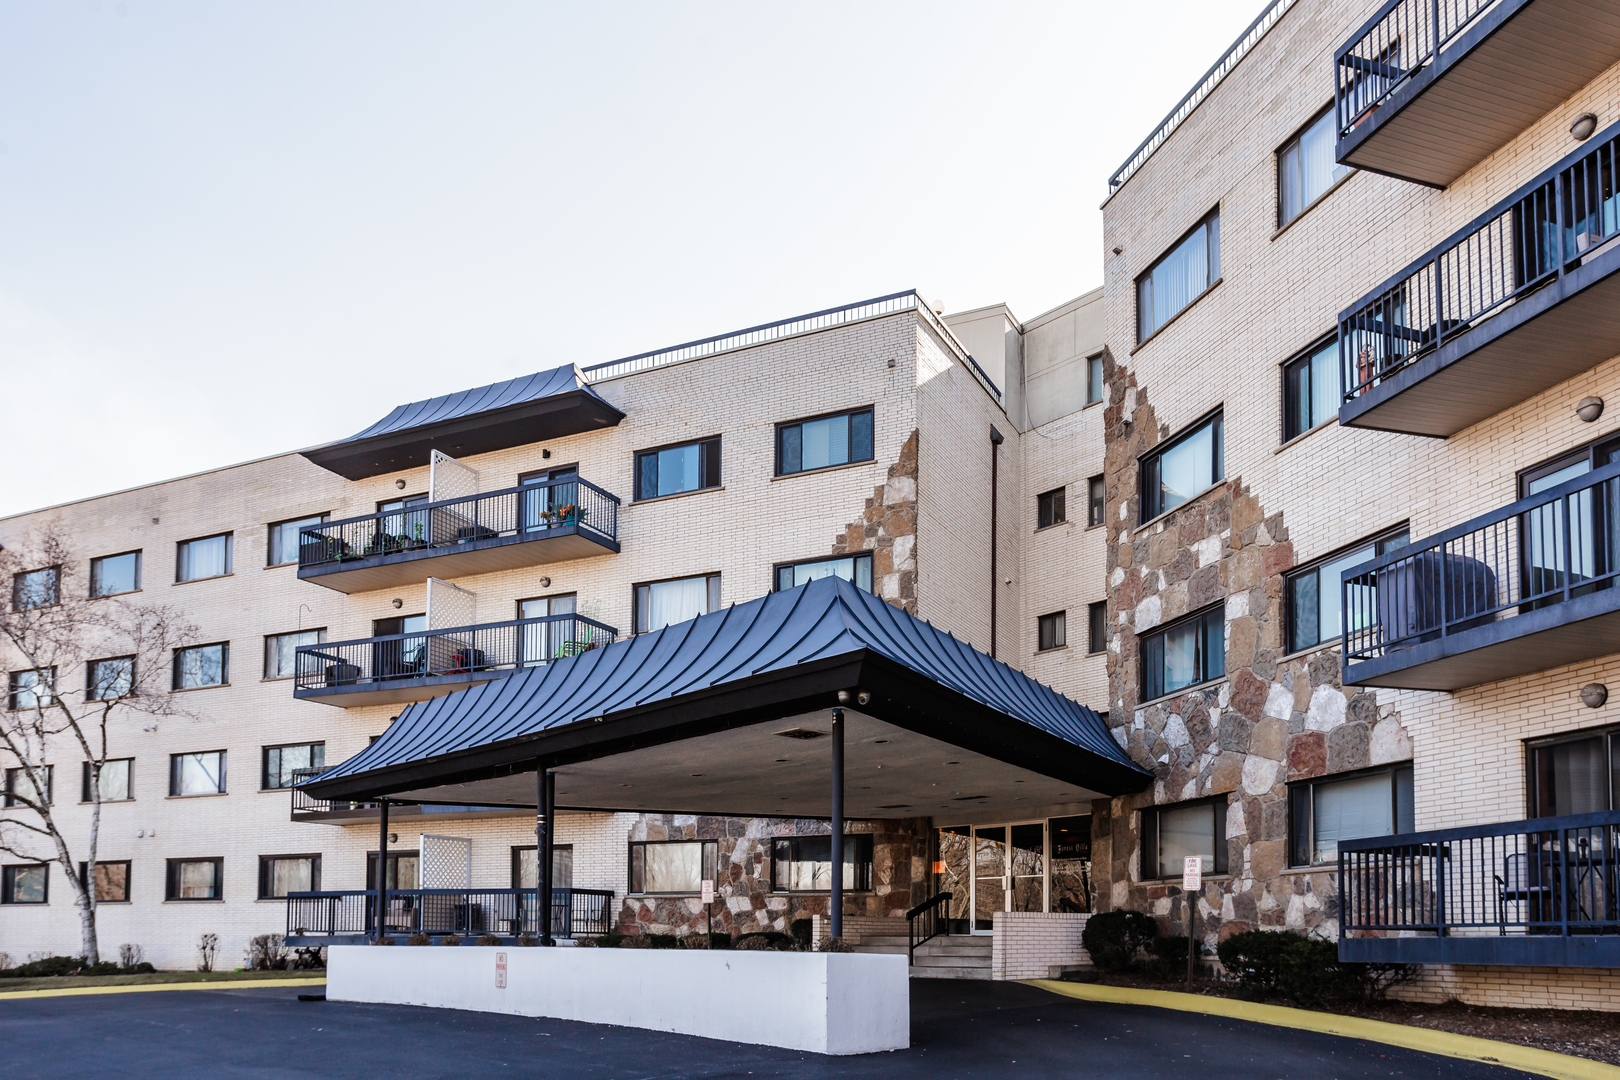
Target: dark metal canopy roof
x,y
786,654
546,405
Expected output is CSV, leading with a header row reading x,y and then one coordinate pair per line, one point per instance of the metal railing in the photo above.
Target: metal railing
x,y
532,510
505,912
305,803
1542,550
1402,38
462,650
1544,876
1523,243
925,922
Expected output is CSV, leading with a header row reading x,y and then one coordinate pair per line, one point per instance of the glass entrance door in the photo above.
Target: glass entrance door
x,y
989,875
991,868
1027,867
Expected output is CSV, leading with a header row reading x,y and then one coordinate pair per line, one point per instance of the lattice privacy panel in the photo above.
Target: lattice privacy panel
x,y
446,862
449,478
456,522
449,606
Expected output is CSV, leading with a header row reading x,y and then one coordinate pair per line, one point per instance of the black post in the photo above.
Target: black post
x,y
548,811
382,870
835,904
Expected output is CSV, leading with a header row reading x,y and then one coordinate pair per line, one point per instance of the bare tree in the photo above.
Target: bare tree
x,y
80,666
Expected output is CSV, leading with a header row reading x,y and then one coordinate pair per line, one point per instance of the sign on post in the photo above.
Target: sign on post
x,y
500,971
1192,873
708,891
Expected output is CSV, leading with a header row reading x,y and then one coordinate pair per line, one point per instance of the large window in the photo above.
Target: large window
x,y
525,862
283,547
1575,774
195,879
280,762
36,589
1097,627
115,776
283,874
1315,599
676,867
1187,465
1184,653
1179,277
1096,500
1306,168
661,603
197,774
29,884
856,569
30,689
207,557
201,665
1323,811
114,574
804,863
20,789
109,679
1311,388
671,470
1050,631
281,651
1094,379
404,870
112,881
1050,509
1171,833
823,442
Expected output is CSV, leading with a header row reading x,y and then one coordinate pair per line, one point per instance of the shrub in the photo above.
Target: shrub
x,y
489,939
100,967
1252,957
1377,980
1113,938
419,938
45,966
1171,949
661,941
753,943
450,939
207,949
766,939
696,941
837,944
800,929
529,941
267,952
129,957
1309,973
142,968
386,940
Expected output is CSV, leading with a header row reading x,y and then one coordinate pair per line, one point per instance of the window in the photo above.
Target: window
x,y
195,879
1179,277
31,689
541,643
1306,168
1575,774
110,679
115,775
675,866
1187,465
204,558
1311,391
281,762
114,574
1049,509
201,665
36,588
1096,500
852,568
525,861
1323,811
20,789
1315,599
673,469
283,874
112,881
1171,833
281,651
404,870
1097,625
804,863
823,442
1094,379
197,774
284,539
1184,653
25,884
661,603
1050,632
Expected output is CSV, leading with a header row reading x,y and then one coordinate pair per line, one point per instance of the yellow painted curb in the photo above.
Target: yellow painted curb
x,y
1525,1058
146,988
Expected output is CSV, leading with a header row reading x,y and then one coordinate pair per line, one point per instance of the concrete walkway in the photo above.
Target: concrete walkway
x,y
959,1029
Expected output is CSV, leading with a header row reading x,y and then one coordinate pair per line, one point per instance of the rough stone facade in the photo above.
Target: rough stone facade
x,y
888,529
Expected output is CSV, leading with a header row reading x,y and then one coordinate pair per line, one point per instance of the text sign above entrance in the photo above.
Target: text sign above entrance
x,y
1192,873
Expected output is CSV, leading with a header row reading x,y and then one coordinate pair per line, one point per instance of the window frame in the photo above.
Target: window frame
x,y
856,557
90,678
14,688
95,565
1151,461
1096,627
711,460
266,863
1327,112
181,546
1212,273
17,580
1610,733
320,638
224,666
129,780
713,579
171,881
128,875
275,527
1376,541
1148,833
1291,427
1096,502
1059,636
1217,611
1051,508
782,426
517,864
706,863
863,862
1308,786
1094,379
8,884
264,761
174,775
8,797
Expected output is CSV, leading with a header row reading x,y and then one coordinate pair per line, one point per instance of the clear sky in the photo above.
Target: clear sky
x,y
233,229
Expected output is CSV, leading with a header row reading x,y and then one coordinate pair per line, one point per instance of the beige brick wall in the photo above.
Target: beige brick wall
x,y
1030,944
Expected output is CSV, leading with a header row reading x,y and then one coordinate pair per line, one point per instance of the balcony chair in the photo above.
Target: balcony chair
x,y
1519,883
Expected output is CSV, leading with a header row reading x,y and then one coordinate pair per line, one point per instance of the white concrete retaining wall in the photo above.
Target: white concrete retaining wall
x,y
827,1003
1030,944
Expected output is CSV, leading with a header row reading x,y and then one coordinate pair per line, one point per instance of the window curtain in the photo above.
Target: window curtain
x,y
1573,778
197,880
291,875
825,442
673,868
671,602
1187,468
1180,277
205,558
1189,830
1350,809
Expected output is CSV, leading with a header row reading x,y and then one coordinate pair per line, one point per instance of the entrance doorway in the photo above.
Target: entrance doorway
x,y
1003,867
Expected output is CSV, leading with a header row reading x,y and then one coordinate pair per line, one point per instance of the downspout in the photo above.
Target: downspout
x,y
996,439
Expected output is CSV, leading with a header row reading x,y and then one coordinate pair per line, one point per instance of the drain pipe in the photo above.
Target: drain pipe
x,y
996,439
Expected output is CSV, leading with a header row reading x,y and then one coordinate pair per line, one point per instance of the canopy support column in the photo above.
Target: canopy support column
x,y
545,828
382,869
835,905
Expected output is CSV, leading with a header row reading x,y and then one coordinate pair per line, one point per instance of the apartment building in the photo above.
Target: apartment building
x,y
469,537
1361,296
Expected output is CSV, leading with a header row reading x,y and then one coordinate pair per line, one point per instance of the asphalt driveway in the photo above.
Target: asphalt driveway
x,y
959,1029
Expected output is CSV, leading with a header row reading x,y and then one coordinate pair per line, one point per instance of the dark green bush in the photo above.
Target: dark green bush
x,y
766,939
800,928
1309,973
661,941
142,968
105,967
1252,958
1171,949
1113,938
50,965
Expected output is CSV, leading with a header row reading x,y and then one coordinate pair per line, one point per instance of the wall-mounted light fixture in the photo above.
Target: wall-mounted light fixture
x,y
398,603
545,583
400,483
1584,126
1593,695
1589,408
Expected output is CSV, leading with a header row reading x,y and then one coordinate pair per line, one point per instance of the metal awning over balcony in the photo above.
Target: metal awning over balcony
x,y
1425,91
1531,586
478,534
397,668
1518,300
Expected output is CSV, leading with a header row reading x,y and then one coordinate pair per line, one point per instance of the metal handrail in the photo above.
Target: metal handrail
x,y
436,912
1389,49
933,924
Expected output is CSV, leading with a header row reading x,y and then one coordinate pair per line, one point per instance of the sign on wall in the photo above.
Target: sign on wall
x,y
500,971
1192,873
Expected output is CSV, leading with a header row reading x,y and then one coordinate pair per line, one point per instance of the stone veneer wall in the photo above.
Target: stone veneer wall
x,y
888,529
1272,719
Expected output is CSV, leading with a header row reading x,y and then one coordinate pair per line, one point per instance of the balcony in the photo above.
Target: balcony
x,y
396,668
1521,298
1427,90
349,812
1540,892
478,534
1525,588
347,917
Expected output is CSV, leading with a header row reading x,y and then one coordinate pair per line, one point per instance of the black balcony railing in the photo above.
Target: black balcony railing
x,y
531,511
504,912
303,803
1504,893
1523,243
1392,47
466,651
1551,547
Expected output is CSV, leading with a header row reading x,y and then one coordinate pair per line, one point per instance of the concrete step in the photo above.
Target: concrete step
x,y
951,973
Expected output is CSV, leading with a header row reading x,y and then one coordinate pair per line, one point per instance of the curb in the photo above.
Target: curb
x,y
147,988
1525,1058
